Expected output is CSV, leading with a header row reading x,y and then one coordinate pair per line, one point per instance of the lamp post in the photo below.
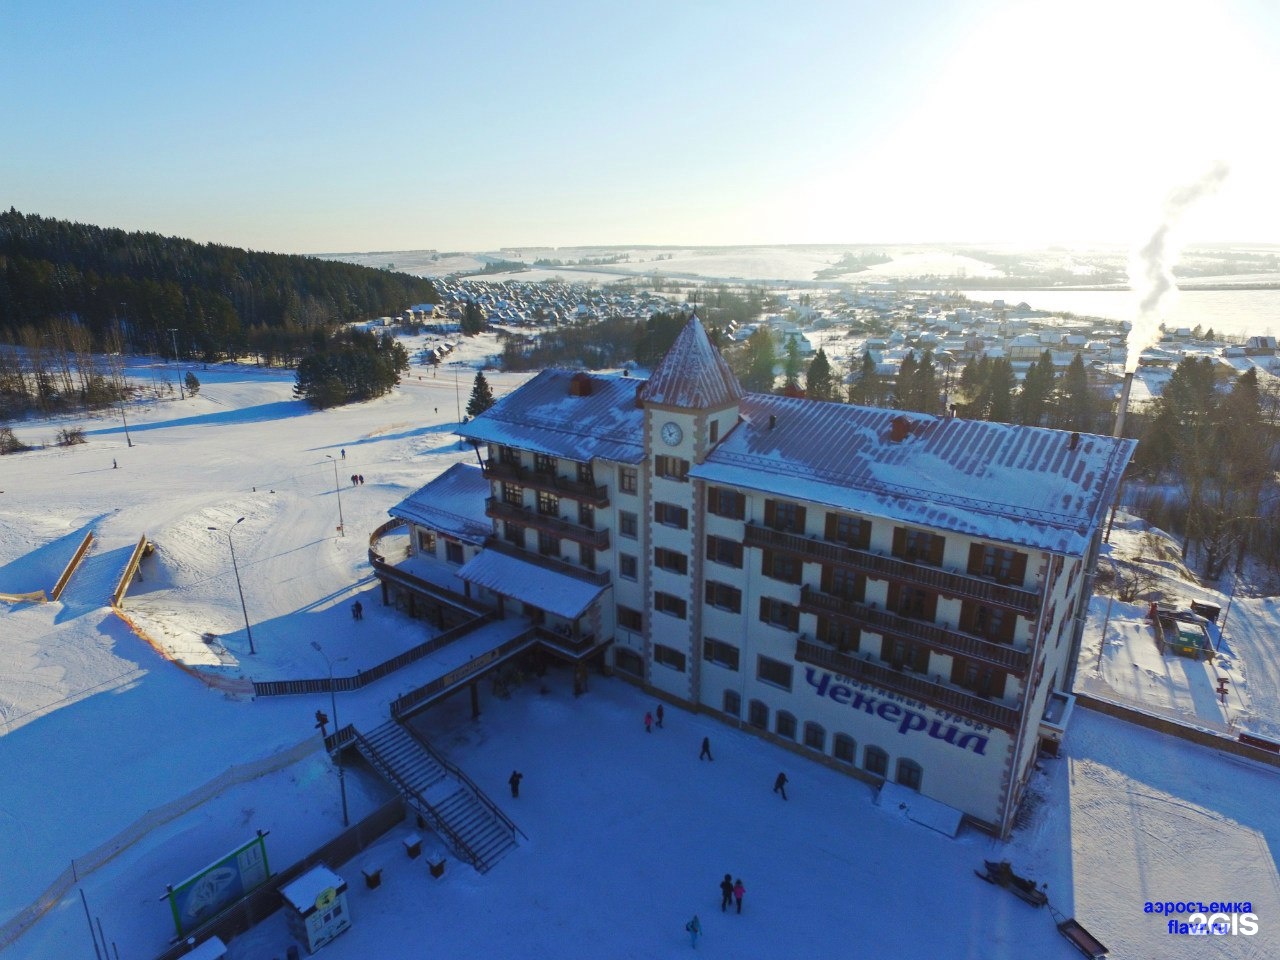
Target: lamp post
x,y
234,566
127,438
333,705
337,488
173,332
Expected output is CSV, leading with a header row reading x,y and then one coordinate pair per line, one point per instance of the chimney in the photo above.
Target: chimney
x,y
1124,405
1074,442
899,429
773,421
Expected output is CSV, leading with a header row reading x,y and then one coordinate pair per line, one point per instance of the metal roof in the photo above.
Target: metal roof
x,y
452,503
693,374
557,593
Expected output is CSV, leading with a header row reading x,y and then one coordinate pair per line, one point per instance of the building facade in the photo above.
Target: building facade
x,y
897,595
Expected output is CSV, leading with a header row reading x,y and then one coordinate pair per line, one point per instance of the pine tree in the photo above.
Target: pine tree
x,y
760,362
999,391
1037,389
193,383
903,395
819,382
481,396
791,368
866,388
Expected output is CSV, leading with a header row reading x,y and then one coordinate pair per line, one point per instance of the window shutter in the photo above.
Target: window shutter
x,y
936,545
800,520
976,551
1018,569
832,520
770,513
899,541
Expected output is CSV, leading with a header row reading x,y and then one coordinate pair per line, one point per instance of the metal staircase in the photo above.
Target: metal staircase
x,y
454,807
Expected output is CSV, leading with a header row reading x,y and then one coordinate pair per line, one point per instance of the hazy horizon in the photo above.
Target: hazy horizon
x,y
312,128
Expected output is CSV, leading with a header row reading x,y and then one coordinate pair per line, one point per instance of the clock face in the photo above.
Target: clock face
x,y
671,433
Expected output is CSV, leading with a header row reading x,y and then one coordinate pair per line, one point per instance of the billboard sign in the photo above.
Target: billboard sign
x,y
204,895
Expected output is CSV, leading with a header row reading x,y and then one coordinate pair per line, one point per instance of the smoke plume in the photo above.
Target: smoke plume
x,y
1151,267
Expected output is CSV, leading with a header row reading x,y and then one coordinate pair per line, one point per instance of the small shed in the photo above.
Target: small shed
x,y
316,907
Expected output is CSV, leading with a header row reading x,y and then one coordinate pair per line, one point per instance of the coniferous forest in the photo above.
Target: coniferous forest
x,y
70,291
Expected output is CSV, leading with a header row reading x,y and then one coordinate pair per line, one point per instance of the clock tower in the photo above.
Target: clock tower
x,y
690,403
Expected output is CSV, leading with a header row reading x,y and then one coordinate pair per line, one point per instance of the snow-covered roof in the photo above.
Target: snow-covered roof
x,y
997,481
452,503
544,416
304,891
693,374
557,593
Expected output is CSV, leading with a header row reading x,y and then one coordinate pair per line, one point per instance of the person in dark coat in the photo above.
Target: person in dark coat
x,y
516,777
726,892
659,715
648,722
361,479
706,750
780,785
739,891
357,611
694,927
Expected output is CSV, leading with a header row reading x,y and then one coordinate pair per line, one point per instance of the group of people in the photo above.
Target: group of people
x,y
357,479
649,718
731,891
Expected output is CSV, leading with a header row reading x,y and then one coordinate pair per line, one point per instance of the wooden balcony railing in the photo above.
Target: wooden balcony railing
x,y
598,577
597,496
940,638
914,685
499,510
877,566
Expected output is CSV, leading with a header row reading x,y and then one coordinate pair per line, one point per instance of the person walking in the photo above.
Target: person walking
x,y
114,465
344,453
648,722
726,892
739,891
357,611
361,479
659,716
694,927
516,777
706,752
780,785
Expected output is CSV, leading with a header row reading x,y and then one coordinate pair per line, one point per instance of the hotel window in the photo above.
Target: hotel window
x,y
993,623
875,761
587,556
784,516
981,679
673,468
851,531
587,516
669,515
732,703
629,619
586,474
544,464
844,748
838,633
723,597
844,583
548,504
773,672
728,552
426,541
781,566
914,603
724,502
668,657
513,533
628,479
815,737
917,546
1003,566
513,494
777,613
509,456
785,725
758,715
714,427
671,605
720,653
626,566
670,560
548,544
910,774
905,654
627,524
628,661
453,551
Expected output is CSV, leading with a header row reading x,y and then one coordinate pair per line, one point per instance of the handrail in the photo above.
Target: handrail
x,y
72,565
462,777
591,536
935,694
945,639
402,706
437,821
598,577
551,482
1023,601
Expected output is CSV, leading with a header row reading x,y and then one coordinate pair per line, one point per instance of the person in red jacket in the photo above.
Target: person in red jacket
x,y
738,892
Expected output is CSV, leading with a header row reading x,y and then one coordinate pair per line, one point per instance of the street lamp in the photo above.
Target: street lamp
x,y
337,488
239,589
127,438
173,332
333,705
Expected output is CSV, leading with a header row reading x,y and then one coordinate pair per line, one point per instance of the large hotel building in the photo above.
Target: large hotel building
x,y
893,594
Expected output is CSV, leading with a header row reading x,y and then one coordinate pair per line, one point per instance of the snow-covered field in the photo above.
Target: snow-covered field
x,y
628,833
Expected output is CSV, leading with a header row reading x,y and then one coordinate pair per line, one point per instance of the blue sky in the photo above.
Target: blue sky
x,y
325,127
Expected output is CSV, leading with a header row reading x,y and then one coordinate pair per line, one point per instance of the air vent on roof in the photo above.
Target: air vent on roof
x,y
580,385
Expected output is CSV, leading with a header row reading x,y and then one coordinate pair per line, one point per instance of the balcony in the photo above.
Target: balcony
x,y
942,639
597,496
599,577
912,685
500,510
964,586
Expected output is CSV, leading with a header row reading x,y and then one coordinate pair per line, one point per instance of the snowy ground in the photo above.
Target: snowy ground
x,y
628,834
